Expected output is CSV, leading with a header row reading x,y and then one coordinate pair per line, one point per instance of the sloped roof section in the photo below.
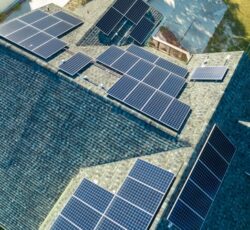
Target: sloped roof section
x,y
50,128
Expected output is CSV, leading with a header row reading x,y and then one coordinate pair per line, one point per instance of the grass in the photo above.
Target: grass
x,y
233,33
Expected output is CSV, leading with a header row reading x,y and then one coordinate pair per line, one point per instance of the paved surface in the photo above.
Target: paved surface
x,y
193,22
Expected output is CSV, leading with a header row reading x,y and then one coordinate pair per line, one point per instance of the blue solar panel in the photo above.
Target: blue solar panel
x,y
156,77
110,55
108,22
33,16
214,161
152,175
75,64
140,195
45,22
106,224
68,18
137,11
123,5
175,115
139,96
205,179
128,215
201,187
125,62
35,41
209,73
140,69
222,144
22,34
50,48
173,85
93,195
142,31
157,105
10,27
62,224
122,87
196,199
78,213
142,53
59,29
171,67
184,218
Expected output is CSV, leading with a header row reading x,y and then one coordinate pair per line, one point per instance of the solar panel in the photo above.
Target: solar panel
x,y
128,215
152,175
80,214
75,64
106,224
140,69
108,22
68,18
59,29
142,53
209,73
139,96
199,191
123,5
222,144
125,62
62,224
110,55
156,77
93,195
175,115
33,16
176,69
45,22
50,48
141,195
173,85
137,11
142,30
22,34
157,105
35,41
10,27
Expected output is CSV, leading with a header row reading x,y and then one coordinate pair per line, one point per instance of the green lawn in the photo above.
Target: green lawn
x,y
233,33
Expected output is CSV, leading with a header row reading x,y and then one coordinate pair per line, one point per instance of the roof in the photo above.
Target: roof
x,y
57,130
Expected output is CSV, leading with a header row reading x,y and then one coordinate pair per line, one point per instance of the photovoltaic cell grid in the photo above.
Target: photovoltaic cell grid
x,y
37,31
75,64
209,73
134,11
199,191
133,207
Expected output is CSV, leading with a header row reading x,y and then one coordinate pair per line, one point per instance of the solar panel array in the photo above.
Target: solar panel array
x,y
147,87
202,185
37,31
209,73
75,64
133,207
132,10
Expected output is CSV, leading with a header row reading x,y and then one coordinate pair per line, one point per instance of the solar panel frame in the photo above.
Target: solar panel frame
x,y
50,48
215,127
59,29
75,64
104,23
46,22
140,69
107,224
137,11
142,30
63,224
209,73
